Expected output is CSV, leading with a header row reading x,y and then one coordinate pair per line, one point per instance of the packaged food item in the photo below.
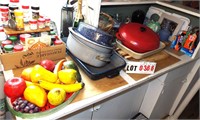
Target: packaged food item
x,y
23,38
11,11
8,48
19,18
35,12
25,9
18,48
6,42
33,24
41,23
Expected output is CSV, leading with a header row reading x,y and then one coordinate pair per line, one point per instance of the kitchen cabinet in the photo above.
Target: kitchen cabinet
x,y
162,92
121,106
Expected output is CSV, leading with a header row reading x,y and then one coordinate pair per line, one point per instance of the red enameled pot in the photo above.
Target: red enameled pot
x,y
138,37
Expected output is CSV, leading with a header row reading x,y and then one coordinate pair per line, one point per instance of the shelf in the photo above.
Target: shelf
x,y
172,5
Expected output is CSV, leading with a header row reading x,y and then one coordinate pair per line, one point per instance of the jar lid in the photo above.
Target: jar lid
x,y
18,48
13,7
58,42
8,47
47,18
18,12
52,33
1,29
25,6
14,1
6,42
4,9
41,20
33,21
24,36
35,7
12,38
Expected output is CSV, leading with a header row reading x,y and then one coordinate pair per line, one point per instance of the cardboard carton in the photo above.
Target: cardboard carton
x,y
30,57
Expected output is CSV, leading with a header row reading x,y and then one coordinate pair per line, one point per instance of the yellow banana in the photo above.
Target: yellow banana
x,y
68,88
28,83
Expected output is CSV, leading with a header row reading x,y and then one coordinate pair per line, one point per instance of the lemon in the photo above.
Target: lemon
x,y
67,76
56,96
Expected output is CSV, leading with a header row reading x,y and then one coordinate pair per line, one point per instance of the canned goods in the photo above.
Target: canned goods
x,y
6,42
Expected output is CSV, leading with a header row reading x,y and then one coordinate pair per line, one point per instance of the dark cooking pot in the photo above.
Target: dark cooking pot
x,y
138,37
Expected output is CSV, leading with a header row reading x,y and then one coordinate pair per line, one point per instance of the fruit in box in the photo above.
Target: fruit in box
x,y
56,96
14,87
48,64
36,95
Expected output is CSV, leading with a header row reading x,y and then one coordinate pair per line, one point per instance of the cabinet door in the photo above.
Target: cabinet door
x,y
83,114
123,106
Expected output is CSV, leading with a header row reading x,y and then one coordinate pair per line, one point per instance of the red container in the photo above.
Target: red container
x,y
138,37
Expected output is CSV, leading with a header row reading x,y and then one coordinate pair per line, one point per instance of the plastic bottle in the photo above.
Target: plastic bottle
x,y
35,12
25,9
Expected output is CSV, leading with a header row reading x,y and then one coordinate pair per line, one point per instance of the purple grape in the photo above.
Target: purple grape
x,y
22,106
16,108
26,109
32,106
20,102
21,110
15,103
31,111
25,102
36,109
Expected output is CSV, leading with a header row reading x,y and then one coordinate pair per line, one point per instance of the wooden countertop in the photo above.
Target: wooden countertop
x,y
106,87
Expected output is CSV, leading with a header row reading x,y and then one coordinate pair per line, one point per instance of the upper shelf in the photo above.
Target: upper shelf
x,y
172,5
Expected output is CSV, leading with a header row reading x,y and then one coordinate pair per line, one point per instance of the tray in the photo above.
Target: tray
x,y
109,70
139,55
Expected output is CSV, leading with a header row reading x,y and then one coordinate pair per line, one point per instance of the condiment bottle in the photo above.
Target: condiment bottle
x,y
33,24
6,42
11,11
25,9
13,39
8,48
23,38
18,48
35,12
41,23
19,19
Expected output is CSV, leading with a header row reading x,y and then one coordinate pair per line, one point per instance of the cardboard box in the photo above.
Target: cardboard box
x,y
26,58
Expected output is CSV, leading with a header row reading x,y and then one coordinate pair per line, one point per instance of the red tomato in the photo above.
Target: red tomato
x,y
14,87
48,64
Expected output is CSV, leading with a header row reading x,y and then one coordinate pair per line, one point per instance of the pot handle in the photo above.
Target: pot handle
x,y
102,58
118,36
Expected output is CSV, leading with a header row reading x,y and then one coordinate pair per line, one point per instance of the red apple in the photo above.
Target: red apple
x,y
14,87
48,64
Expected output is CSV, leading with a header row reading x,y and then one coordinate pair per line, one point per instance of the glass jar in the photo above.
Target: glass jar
x,y
35,12
23,38
18,48
4,10
25,9
13,39
6,42
11,11
8,48
33,24
19,18
41,23
47,21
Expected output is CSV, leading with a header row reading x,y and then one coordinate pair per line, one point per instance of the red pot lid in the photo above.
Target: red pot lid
x,y
138,37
